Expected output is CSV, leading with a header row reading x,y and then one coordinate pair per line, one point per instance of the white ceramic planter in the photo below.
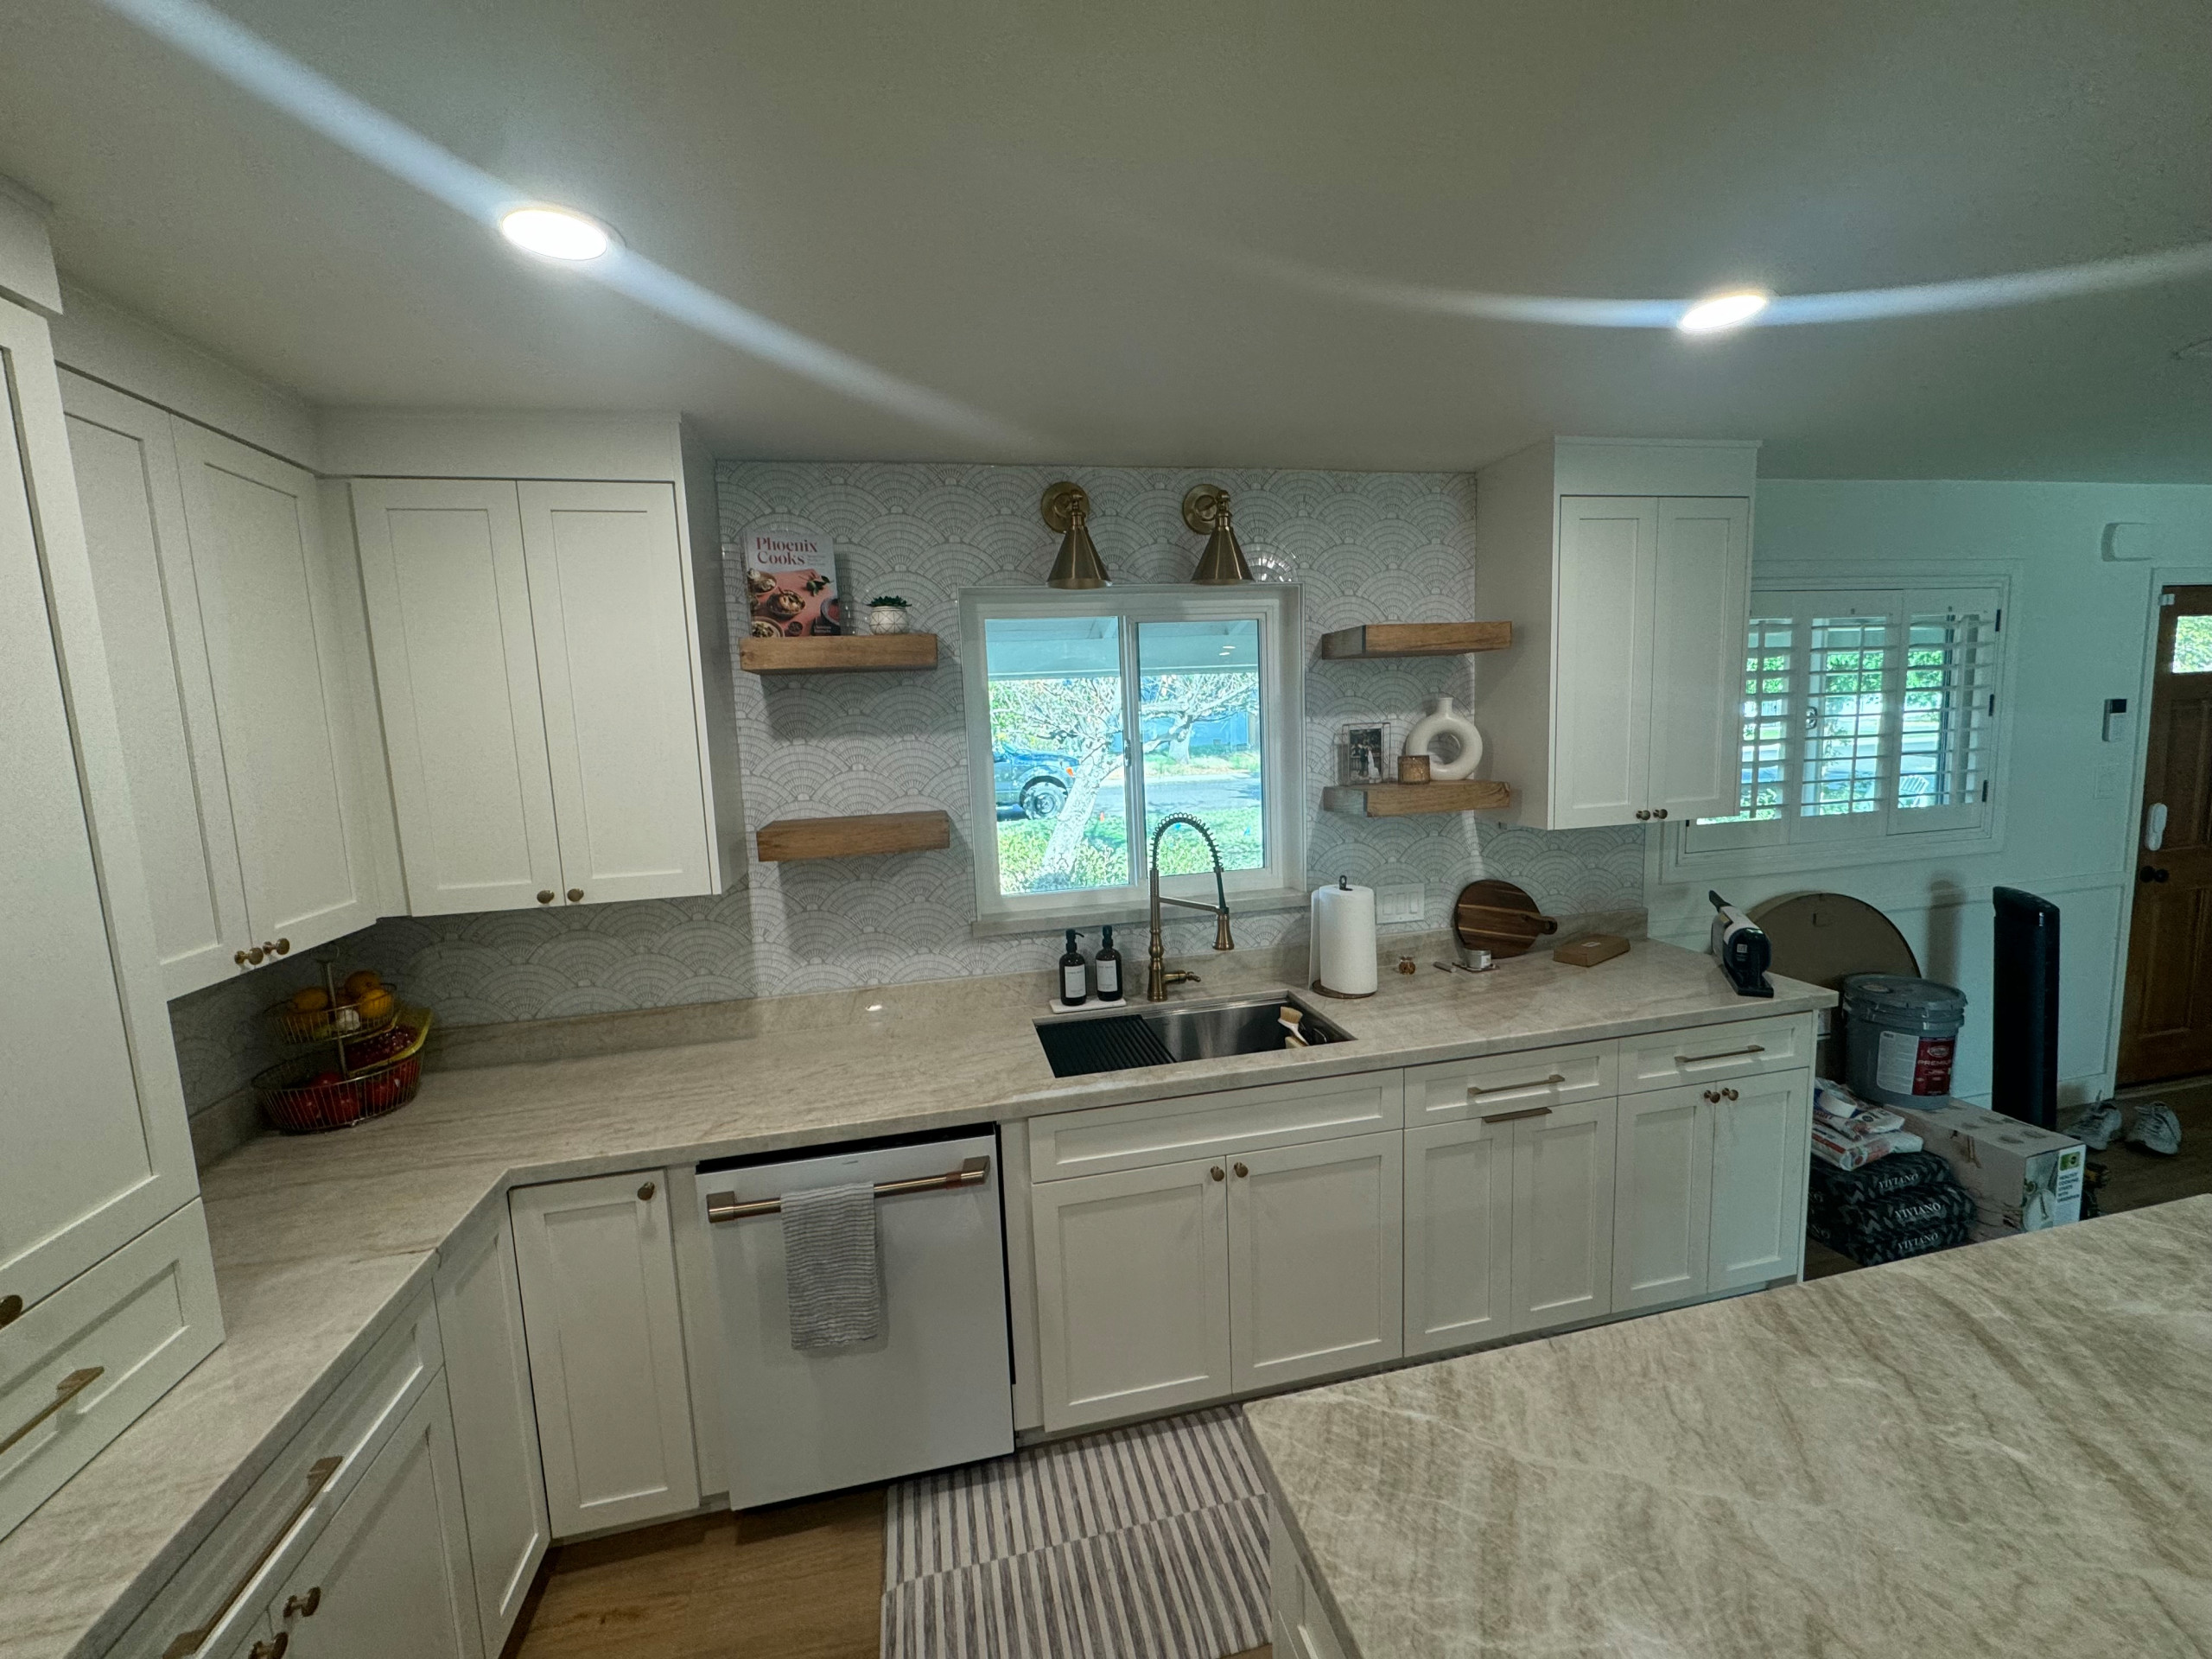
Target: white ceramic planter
x,y
886,618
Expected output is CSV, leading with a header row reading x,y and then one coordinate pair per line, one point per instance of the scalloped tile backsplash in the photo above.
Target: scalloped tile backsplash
x,y
1366,547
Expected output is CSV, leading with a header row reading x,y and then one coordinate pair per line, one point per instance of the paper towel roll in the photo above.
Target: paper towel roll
x,y
1344,940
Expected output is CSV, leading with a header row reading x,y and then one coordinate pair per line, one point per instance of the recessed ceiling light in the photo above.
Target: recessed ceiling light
x,y
1731,309
556,232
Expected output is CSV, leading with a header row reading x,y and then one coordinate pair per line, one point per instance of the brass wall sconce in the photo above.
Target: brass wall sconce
x,y
1067,508
1206,509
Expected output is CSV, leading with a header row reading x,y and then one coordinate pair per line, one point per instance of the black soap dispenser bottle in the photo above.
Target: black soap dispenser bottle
x,y
1108,967
1074,982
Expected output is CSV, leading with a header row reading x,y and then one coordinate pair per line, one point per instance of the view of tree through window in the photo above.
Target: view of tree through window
x,y
1199,686
2192,645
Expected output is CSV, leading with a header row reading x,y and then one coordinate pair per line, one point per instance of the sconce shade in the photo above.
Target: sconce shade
x,y
1206,508
1067,507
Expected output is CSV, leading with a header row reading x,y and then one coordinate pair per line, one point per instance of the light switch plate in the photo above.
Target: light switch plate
x,y
1401,904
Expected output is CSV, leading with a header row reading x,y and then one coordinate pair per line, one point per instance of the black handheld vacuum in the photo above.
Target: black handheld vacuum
x,y
1741,949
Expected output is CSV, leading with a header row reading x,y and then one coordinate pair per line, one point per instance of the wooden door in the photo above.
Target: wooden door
x,y
448,600
391,1574
1663,1196
2166,1020
1702,596
96,1149
1131,1291
1601,663
494,1423
123,453
1458,1234
614,653
276,652
598,1272
1315,1239
1563,1215
1761,1140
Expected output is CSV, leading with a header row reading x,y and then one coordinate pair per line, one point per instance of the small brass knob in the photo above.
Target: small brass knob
x,y
303,1606
1241,1171
11,1309
1215,1172
1641,815
283,947
254,955
1660,812
645,1193
271,1650
576,895
1730,1094
239,958
546,895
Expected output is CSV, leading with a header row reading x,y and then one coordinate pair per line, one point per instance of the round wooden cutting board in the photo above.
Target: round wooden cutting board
x,y
1499,917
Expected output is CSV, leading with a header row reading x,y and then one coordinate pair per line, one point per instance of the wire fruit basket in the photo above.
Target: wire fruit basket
x,y
345,1020
379,1074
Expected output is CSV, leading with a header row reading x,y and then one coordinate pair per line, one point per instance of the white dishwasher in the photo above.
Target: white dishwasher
x,y
933,1390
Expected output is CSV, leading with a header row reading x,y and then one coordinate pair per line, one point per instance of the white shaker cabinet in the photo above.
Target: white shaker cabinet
x,y
1663,1194
1562,1214
543,708
1762,1128
599,1308
1625,569
1458,1271
1131,1290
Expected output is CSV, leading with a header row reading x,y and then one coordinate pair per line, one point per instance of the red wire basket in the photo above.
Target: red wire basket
x,y
307,1095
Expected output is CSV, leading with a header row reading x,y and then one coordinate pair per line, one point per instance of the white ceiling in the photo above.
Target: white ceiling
x,y
1061,216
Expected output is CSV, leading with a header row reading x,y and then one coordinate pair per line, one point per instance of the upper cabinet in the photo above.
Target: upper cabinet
x,y
545,707
1625,568
227,637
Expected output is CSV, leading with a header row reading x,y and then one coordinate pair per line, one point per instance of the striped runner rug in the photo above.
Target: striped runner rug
x,y
1147,1542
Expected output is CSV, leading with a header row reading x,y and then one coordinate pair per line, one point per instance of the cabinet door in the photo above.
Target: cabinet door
x,y
389,1574
1663,1174
1762,1152
1601,666
614,653
494,1424
1458,1234
1700,610
598,1273
123,453
1315,1234
274,652
96,1149
1563,1215
442,564
1131,1291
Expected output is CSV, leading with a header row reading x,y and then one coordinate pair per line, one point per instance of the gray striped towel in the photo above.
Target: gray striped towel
x,y
830,1277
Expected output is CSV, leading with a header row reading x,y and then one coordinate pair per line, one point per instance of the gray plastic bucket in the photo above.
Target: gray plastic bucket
x,y
1900,1037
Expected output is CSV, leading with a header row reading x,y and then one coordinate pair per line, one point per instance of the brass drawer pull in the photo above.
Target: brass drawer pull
x,y
1552,1082
64,1391
1510,1117
1726,1054
319,1474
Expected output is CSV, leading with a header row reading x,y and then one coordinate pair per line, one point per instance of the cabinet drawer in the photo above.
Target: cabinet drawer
x,y
1168,1131
1453,1090
223,1588
1737,1048
86,1362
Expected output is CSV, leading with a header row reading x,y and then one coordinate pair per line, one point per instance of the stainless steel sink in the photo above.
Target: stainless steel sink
x,y
1175,1033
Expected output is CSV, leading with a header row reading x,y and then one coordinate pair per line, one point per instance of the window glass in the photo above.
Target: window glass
x,y
1843,715
1942,749
1767,668
2192,645
1057,760
1199,702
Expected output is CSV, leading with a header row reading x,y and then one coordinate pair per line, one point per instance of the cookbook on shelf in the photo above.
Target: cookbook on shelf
x,y
790,581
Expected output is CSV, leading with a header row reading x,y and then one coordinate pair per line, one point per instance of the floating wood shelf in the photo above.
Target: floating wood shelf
x,y
837,653
1414,639
855,837
1403,800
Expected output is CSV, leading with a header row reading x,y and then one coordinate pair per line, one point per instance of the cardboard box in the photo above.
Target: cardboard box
x,y
2022,1178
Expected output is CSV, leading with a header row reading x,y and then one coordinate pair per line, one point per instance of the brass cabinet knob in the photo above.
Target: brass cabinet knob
x,y
1730,1094
1659,812
252,957
303,1606
11,1309
1642,815
271,1650
1215,1172
576,895
546,895
1241,1171
239,958
645,1193
283,947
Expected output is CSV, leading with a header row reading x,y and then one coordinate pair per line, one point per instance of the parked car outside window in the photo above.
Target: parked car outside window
x,y
1032,783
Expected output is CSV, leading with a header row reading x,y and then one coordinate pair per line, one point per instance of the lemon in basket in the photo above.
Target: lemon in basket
x,y
313,999
375,1003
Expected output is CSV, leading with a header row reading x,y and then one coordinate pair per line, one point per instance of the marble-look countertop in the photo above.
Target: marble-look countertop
x,y
322,1241
2002,1450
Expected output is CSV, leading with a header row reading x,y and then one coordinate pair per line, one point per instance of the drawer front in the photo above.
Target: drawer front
x,y
1453,1090
1736,1048
1169,1131
223,1588
86,1362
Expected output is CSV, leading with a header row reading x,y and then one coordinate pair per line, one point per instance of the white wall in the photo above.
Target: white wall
x,y
2078,629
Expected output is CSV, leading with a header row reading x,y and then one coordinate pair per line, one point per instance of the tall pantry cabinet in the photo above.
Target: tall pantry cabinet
x,y
106,1289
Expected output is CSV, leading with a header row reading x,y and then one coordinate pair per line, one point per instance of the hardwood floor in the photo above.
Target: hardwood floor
x,y
800,1581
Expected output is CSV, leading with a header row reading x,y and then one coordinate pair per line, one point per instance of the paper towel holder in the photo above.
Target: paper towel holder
x,y
1344,883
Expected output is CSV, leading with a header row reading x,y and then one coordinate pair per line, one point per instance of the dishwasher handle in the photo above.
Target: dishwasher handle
x,y
973,1172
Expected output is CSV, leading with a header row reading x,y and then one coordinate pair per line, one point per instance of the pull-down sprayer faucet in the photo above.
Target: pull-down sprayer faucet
x,y
1158,978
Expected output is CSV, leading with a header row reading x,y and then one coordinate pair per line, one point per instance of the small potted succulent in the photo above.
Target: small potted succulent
x,y
886,613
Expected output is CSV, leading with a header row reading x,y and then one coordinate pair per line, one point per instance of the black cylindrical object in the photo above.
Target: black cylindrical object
x,y
2024,1009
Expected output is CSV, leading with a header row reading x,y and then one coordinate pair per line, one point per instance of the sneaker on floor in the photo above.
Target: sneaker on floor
x,y
2096,1127
2156,1129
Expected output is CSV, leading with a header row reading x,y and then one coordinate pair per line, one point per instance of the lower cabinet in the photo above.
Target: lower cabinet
x,y
1562,1214
1762,1128
390,1573
1300,1627
613,1405
1662,1197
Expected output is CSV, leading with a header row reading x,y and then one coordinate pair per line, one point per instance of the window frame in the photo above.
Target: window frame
x,y
1282,726
1695,852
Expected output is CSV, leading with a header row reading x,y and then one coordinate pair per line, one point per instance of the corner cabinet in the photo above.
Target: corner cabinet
x,y
544,700
1626,570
